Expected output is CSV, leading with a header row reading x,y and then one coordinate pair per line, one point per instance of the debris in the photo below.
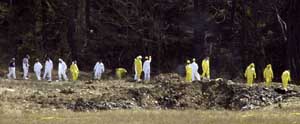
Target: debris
x,y
165,91
89,82
67,91
83,105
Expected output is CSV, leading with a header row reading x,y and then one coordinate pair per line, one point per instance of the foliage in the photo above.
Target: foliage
x,y
232,32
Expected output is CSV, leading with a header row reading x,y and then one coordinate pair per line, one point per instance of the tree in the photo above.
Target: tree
x,y
293,29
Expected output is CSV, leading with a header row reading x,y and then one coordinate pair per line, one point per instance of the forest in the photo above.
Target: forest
x,y
233,33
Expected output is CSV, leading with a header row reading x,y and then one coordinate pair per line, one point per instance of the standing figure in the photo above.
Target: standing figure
x,y
147,68
250,74
62,70
74,71
48,70
268,75
12,69
286,77
135,71
138,64
195,74
138,68
98,70
26,67
37,68
205,68
188,71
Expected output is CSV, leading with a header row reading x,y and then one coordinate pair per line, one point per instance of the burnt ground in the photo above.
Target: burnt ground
x,y
167,91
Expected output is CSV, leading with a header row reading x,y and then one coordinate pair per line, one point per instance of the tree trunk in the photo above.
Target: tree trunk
x,y
293,39
44,27
71,36
77,29
38,26
246,59
199,29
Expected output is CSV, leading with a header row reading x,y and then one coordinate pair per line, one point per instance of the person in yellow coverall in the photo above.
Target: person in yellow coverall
x,y
188,71
285,77
250,74
138,67
74,71
205,68
268,75
120,73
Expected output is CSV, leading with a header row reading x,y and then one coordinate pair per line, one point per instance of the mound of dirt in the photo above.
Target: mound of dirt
x,y
168,91
95,104
168,78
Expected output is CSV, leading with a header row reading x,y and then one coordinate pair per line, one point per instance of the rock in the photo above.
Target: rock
x,y
89,82
67,91
230,82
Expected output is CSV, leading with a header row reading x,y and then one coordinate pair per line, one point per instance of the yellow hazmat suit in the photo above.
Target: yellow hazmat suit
x,y
138,66
250,74
205,68
268,75
120,72
74,71
188,71
285,77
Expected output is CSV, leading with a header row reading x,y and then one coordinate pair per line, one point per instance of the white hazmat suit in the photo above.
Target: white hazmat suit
x,y
98,70
147,69
62,69
37,68
25,67
48,70
195,73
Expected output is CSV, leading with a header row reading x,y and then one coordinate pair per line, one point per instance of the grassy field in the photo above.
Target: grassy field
x,y
277,116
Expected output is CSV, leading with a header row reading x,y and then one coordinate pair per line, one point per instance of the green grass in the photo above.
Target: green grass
x,y
277,116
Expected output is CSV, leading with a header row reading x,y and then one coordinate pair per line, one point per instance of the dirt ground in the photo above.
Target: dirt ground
x,y
167,91
166,96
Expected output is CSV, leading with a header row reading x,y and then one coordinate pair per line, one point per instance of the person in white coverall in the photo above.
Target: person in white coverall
x,y
147,68
195,73
26,67
37,68
48,69
62,69
12,69
98,70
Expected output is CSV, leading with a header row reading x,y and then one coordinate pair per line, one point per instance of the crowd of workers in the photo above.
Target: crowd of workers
x,y
250,74
140,67
268,75
48,68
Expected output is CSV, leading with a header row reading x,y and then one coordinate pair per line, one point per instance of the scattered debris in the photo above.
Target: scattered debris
x,y
67,91
83,105
166,91
89,82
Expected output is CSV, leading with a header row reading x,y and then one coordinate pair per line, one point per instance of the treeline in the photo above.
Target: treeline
x,y
233,33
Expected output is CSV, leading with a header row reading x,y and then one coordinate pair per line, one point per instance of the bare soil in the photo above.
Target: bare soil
x,y
166,91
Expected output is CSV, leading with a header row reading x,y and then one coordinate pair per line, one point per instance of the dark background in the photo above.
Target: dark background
x,y
233,33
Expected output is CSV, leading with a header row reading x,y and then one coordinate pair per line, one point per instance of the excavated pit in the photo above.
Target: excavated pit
x,y
167,91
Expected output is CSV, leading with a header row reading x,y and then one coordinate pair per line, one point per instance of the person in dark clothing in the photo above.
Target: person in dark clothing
x,y
12,69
